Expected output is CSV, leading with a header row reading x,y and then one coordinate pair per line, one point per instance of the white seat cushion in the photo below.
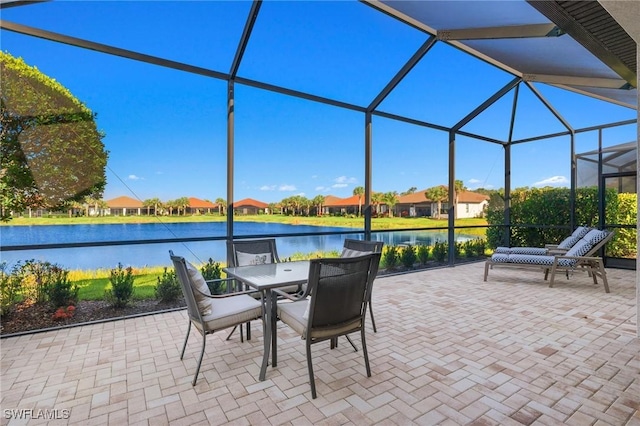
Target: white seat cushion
x,y
229,311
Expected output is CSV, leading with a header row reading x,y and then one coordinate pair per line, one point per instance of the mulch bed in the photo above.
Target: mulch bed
x,y
30,317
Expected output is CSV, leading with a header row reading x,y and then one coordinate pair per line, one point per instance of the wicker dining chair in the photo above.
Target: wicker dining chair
x,y
353,247
338,290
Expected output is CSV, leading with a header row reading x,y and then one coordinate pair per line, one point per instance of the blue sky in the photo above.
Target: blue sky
x,y
166,130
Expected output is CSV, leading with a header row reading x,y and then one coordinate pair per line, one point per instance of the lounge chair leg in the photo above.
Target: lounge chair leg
x,y
204,343
553,274
185,340
546,274
486,269
604,275
312,381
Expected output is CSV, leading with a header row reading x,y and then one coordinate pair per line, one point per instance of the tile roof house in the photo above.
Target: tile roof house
x,y
123,206
250,206
198,206
470,204
336,205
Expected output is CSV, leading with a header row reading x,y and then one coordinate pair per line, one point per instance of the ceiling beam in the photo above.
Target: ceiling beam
x,y
514,31
603,83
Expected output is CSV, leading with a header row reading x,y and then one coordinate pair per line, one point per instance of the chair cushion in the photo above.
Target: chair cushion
x,y
230,311
199,284
594,236
292,313
531,259
580,231
500,258
347,252
521,250
581,248
505,250
245,259
568,242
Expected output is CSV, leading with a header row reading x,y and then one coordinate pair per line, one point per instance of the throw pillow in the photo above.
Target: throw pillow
x,y
245,259
346,252
198,283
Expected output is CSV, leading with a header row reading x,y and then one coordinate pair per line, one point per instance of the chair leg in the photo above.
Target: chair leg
x,y
233,330
373,320
185,340
349,339
487,263
366,355
604,275
312,381
248,331
204,342
553,274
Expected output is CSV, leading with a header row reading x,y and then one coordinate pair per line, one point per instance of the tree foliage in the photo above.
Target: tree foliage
x,y
51,150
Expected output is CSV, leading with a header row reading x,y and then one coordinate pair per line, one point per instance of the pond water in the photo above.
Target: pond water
x,y
158,254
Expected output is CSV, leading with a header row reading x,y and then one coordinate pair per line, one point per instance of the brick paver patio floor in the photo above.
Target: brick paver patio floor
x,y
450,349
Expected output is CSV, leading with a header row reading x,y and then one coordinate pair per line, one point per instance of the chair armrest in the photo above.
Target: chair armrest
x,y
293,297
551,246
222,296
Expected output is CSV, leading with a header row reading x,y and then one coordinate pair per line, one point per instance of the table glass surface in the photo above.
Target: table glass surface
x,y
270,275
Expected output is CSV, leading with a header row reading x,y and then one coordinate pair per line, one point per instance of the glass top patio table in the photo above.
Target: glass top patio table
x,y
264,278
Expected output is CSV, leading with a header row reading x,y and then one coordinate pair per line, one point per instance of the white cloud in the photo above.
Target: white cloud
x,y
267,188
345,181
287,188
339,185
321,188
553,181
134,177
474,181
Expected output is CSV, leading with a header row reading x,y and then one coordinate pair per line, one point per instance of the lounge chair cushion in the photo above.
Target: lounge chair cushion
x,y
568,242
531,259
201,290
521,250
595,236
245,259
581,231
500,257
581,248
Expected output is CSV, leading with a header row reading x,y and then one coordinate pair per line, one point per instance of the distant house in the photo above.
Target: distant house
x,y
470,204
198,206
250,206
123,206
334,205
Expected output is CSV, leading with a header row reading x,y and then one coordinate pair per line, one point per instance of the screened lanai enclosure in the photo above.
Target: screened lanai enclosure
x,y
265,100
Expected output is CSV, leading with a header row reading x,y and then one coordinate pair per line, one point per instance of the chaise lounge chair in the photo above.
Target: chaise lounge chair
x,y
581,256
564,246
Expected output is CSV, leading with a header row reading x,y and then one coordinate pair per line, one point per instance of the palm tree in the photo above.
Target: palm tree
x,y
458,187
409,191
437,194
182,204
151,202
318,201
359,191
376,200
390,199
222,205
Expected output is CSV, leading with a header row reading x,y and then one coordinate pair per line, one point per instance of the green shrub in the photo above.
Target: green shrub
x,y
479,246
213,271
36,275
390,257
408,256
168,288
423,254
457,249
469,248
61,291
440,251
10,287
121,290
